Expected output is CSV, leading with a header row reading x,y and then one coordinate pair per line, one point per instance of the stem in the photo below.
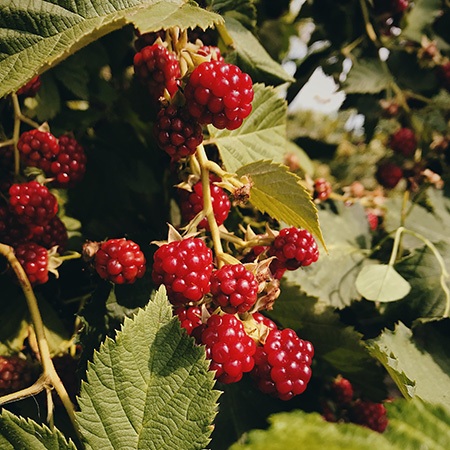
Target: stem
x,y
396,245
16,133
369,27
207,204
49,372
6,143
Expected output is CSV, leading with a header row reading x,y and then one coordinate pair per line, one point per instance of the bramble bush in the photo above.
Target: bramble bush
x,y
224,224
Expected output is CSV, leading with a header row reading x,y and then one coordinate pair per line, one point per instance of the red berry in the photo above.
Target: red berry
x,y
260,318
322,189
220,94
177,133
191,203
282,364
34,260
31,88
158,69
404,142
234,288
184,268
50,234
373,220
294,248
69,165
15,374
120,261
12,232
369,414
32,203
389,174
38,149
342,391
228,347
213,51
190,317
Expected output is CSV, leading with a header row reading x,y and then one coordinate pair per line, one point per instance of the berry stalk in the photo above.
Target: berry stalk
x,y
49,378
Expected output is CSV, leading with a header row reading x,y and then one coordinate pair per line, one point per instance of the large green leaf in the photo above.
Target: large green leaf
x,y
242,10
297,429
420,18
251,56
261,136
150,388
367,76
419,425
39,34
19,433
280,194
418,363
332,278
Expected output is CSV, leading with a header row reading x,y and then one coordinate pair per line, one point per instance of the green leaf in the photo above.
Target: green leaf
x,y
150,388
72,74
414,424
279,193
261,136
298,429
420,18
252,57
48,99
340,345
243,11
381,283
367,77
168,14
418,363
19,433
346,232
38,35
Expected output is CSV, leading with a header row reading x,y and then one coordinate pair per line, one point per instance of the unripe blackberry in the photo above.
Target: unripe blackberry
x,y
120,261
369,414
34,260
191,203
234,288
158,69
50,234
228,347
342,391
322,189
38,149
388,174
177,133
282,364
184,268
32,203
15,374
404,142
294,248
12,232
220,94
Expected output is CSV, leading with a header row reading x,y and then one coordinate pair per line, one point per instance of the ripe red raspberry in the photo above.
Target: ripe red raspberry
x,y
191,203
213,51
31,88
260,318
282,364
234,288
294,248
184,268
158,69
404,142
15,374
342,391
69,165
369,414
38,149
33,203
50,234
228,347
388,174
12,232
322,189
190,317
177,133
219,93
34,260
443,75
120,261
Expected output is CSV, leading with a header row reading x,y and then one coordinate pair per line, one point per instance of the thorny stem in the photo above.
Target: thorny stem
x,y
49,378
207,205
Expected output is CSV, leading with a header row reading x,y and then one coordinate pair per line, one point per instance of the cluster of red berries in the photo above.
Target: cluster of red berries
x,y
212,92
15,374
391,170
341,406
219,307
322,189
